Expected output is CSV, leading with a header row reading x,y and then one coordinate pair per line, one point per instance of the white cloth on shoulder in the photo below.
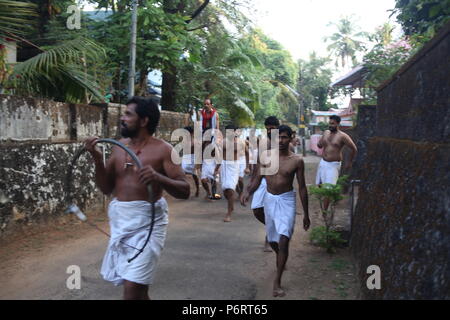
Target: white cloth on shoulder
x,y
328,172
208,168
130,223
242,166
258,195
279,213
188,163
229,174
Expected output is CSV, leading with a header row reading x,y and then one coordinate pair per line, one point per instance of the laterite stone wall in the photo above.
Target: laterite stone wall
x,y
402,218
38,139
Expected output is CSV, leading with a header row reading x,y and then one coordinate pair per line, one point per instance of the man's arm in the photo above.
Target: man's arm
x,y
354,150
247,157
303,193
217,121
104,175
255,181
174,182
321,143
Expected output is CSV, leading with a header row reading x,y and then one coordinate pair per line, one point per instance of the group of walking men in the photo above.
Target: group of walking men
x,y
273,202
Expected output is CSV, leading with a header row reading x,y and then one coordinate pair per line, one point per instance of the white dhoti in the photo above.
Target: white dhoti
x,y
130,223
279,212
242,166
208,168
258,195
328,172
229,174
253,156
188,163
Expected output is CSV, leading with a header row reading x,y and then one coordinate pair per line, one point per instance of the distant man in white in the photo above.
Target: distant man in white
x,y
332,143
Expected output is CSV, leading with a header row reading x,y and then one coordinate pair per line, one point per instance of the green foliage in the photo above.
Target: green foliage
x,y
385,58
60,72
323,126
314,80
16,18
421,19
327,190
324,236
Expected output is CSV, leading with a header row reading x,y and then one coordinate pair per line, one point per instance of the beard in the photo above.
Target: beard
x,y
127,132
332,129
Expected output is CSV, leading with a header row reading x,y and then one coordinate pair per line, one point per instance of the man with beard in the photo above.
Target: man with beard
x,y
332,142
130,212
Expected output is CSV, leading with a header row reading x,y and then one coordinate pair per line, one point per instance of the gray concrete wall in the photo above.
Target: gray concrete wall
x,y
402,218
38,138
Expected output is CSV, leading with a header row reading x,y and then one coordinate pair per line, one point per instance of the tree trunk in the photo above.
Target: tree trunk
x,y
169,81
169,78
143,88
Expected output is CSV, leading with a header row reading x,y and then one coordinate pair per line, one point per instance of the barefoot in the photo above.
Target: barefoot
x,y
278,291
227,218
208,198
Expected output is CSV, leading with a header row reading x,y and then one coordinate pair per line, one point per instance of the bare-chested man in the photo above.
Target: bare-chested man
x,y
188,162
229,168
129,211
243,162
257,204
280,203
332,142
208,177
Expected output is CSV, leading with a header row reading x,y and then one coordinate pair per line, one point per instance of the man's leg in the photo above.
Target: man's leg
x,y
194,176
205,185
229,195
240,186
326,203
282,256
259,215
135,291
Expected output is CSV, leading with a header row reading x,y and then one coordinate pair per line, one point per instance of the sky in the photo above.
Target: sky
x,y
301,25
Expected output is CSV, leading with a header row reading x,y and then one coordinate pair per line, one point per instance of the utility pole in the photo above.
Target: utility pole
x,y
300,119
132,71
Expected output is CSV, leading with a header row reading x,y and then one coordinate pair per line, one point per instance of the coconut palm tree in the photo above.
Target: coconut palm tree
x,y
60,72
15,16
346,42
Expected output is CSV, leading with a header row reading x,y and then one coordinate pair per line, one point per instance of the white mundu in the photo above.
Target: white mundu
x,y
229,174
328,172
242,166
258,195
188,163
279,212
130,222
208,168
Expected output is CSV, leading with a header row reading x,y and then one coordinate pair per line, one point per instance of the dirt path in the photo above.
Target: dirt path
x,y
204,258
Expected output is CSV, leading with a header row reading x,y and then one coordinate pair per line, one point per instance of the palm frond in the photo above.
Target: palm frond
x,y
61,72
15,18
